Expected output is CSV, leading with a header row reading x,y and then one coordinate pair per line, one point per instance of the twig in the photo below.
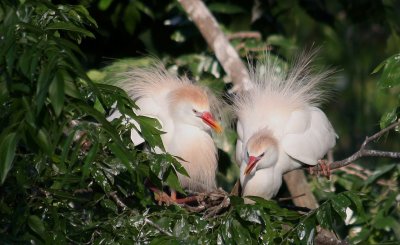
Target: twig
x,y
218,42
290,198
244,35
362,152
160,229
118,201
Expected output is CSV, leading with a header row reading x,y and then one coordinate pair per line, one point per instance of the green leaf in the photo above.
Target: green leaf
x,y
306,231
355,199
131,17
68,26
225,8
101,180
241,235
150,130
43,140
391,72
388,118
281,41
176,164
144,9
36,224
24,62
89,159
56,93
121,154
44,82
104,4
8,147
340,203
107,203
173,181
71,90
324,216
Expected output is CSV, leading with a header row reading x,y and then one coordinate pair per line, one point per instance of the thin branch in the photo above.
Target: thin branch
x,y
117,200
218,42
380,133
290,198
244,35
362,152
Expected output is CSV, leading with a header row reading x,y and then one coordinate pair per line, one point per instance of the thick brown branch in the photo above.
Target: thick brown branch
x,y
218,42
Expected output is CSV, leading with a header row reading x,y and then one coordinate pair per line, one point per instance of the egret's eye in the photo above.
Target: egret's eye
x,y
247,154
262,154
194,111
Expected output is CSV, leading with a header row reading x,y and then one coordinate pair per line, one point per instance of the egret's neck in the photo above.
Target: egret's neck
x,y
197,148
264,183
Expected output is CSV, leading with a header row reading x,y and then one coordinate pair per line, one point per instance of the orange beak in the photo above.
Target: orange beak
x,y
210,121
251,164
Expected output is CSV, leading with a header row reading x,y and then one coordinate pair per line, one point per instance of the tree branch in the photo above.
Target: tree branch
x,y
218,42
362,152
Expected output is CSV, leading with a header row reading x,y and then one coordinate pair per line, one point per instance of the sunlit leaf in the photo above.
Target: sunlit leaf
x,y
306,231
340,204
104,4
390,72
324,216
68,26
388,118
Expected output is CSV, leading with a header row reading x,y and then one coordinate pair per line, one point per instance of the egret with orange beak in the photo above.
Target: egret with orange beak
x,y
184,111
280,127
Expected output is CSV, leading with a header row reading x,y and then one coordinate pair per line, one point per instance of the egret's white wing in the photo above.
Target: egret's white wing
x,y
308,136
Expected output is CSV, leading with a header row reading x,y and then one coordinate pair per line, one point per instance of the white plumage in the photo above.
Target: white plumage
x,y
280,127
184,111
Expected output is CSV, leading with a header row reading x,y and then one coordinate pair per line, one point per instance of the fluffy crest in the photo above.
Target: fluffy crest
x,y
145,81
297,87
156,82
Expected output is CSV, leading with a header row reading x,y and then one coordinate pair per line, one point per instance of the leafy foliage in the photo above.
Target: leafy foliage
x,y
65,169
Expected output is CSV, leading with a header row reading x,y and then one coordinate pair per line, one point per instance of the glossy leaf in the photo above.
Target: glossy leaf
x,y
324,216
340,203
306,231
67,26
388,118
390,72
